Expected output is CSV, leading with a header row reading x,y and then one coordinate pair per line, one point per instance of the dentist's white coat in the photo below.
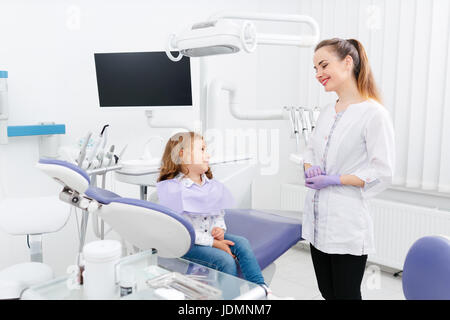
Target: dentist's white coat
x,y
362,144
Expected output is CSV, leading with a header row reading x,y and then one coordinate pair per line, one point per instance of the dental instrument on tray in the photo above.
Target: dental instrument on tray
x,y
314,115
109,155
119,157
294,127
303,121
306,128
101,153
82,154
92,161
108,158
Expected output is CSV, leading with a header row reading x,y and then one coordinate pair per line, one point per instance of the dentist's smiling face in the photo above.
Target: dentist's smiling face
x,y
331,72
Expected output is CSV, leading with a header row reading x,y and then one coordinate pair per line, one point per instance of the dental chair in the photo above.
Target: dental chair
x,y
426,271
148,225
32,217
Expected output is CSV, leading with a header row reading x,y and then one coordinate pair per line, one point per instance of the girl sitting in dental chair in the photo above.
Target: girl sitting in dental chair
x,y
186,185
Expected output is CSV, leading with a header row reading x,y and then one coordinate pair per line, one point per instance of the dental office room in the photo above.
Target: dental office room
x,y
225,150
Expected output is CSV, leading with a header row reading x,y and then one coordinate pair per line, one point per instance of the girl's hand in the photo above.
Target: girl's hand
x,y
218,233
224,245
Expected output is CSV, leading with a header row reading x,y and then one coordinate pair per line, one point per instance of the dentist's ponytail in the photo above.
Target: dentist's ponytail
x,y
361,70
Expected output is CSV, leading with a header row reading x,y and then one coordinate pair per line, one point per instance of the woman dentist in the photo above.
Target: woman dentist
x,y
349,158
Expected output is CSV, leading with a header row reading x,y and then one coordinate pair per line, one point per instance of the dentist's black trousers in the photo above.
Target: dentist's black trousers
x,y
339,276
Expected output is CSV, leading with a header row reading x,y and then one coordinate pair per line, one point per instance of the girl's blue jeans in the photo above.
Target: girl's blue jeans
x,y
220,260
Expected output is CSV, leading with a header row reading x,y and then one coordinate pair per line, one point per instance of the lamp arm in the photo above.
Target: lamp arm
x,y
277,39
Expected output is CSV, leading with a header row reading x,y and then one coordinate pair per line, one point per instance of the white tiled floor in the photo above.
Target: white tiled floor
x,y
295,277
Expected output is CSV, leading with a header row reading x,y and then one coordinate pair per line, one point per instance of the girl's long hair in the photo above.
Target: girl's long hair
x,y
362,71
171,160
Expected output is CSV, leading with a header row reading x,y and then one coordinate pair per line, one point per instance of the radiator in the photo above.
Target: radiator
x,y
396,225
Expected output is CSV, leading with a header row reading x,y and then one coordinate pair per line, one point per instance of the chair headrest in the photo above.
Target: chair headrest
x,y
65,173
426,271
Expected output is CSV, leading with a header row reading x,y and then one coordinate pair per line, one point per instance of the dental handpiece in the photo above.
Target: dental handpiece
x,y
298,122
293,121
101,154
104,135
311,120
316,114
117,158
291,113
304,124
109,155
82,154
296,128
307,117
100,157
93,154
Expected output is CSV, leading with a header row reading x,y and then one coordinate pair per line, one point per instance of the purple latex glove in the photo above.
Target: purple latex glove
x,y
313,171
322,181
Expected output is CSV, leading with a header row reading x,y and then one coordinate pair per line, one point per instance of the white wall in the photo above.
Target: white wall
x,y
49,55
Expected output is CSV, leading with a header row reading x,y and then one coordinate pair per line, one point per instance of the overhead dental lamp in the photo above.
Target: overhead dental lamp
x,y
221,35
212,38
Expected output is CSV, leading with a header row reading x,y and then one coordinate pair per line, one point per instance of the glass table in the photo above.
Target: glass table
x,y
148,265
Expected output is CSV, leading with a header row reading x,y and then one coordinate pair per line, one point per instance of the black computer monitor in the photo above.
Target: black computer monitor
x,y
143,80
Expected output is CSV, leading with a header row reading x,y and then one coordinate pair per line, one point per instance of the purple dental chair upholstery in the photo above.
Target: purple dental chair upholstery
x,y
426,271
270,235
